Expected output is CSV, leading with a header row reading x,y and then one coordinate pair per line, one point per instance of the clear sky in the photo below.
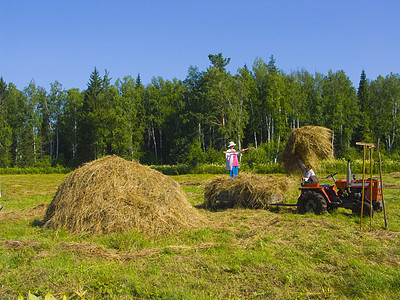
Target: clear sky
x,y
64,40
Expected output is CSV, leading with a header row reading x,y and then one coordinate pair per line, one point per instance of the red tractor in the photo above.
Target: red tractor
x,y
347,193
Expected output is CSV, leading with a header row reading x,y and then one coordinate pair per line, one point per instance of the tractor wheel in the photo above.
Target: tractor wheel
x,y
366,209
311,202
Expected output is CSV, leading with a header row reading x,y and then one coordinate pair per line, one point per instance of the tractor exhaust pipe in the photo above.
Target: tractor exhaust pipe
x,y
348,176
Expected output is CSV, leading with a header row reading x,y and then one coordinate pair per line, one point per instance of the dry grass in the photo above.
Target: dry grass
x,y
240,254
114,195
14,215
309,143
246,191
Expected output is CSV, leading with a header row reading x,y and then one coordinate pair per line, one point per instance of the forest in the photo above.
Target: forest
x,y
191,121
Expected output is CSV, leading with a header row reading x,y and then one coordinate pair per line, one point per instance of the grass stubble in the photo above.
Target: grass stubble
x,y
241,254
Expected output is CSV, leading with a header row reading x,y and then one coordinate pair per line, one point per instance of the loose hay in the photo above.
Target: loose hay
x,y
114,195
309,143
246,191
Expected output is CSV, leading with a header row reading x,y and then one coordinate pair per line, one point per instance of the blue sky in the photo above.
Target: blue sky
x,y
65,40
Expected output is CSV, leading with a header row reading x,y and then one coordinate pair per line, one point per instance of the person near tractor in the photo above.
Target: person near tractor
x,y
232,159
308,173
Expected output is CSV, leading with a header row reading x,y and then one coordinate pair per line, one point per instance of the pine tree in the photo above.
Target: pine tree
x,y
218,61
363,132
89,123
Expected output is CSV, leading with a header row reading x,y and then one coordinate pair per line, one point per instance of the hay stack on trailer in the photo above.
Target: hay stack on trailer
x,y
246,191
114,195
309,143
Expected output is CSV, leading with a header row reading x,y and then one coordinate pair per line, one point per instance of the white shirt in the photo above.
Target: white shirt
x,y
308,174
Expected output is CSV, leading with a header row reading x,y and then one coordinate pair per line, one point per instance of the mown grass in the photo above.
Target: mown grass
x,y
239,254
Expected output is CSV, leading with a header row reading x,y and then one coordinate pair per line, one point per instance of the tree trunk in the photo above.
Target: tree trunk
x,y
57,142
74,143
160,142
154,140
277,148
131,147
34,144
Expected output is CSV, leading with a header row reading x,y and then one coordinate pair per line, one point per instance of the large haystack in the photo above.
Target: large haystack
x,y
114,195
309,143
246,191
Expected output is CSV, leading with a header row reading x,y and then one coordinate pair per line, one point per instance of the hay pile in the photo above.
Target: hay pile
x,y
114,195
309,143
246,191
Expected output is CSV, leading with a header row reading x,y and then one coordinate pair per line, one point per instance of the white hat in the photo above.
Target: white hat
x,y
231,144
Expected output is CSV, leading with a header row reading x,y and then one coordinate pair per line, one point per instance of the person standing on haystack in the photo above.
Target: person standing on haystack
x,y
232,159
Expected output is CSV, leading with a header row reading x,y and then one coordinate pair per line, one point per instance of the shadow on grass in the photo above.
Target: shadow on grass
x,y
278,209
37,223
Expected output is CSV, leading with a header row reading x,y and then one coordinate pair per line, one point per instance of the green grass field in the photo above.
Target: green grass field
x,y
239,254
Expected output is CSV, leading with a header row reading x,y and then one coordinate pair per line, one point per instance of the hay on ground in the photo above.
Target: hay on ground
x,y
246,191
309,143
114,195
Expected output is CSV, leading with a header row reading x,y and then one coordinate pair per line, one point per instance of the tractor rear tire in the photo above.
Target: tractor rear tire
x,y
311,201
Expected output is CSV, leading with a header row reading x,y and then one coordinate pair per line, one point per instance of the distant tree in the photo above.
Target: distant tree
x,y
69,121
193,114
238,116
174,142
17,116
51,109
252,104
272,65
341,109
312,87
34,135
271,92
296,101
89,123
364,130
218,61
219,99
161,100
128,125
385,100
5,129
138,82
195,155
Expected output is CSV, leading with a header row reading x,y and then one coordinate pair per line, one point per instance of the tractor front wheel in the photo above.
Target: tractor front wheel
x,y
311,202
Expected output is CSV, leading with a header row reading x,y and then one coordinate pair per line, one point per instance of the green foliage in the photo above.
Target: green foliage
x,y
213,156
268,168
181,169
340,165
178,169
218,61
58,169
159,123
195,155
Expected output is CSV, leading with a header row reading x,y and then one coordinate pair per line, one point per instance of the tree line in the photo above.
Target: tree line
x,y
192,120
